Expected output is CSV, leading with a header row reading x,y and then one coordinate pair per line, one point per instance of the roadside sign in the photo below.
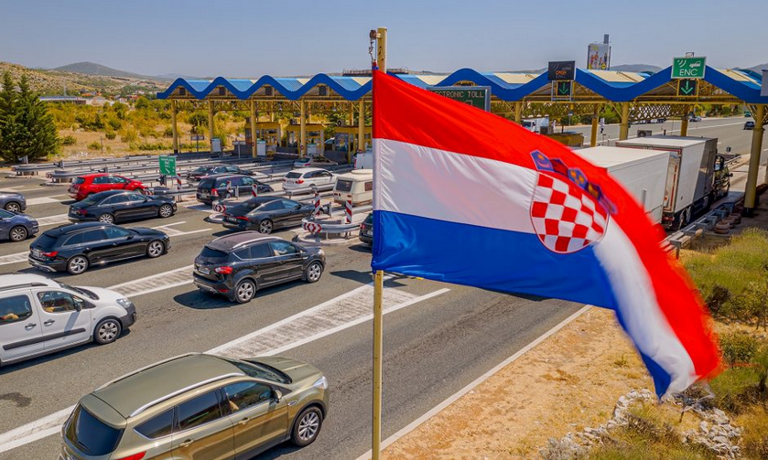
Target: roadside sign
x,y
689,67
561,70
764,88
476,96
562,90
688,87
197,137
167,165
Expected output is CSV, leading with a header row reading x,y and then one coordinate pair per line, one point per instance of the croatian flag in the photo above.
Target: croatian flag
x,y
467,197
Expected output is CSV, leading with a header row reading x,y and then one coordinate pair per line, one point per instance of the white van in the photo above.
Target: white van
x,y
364,160
356,186
39,315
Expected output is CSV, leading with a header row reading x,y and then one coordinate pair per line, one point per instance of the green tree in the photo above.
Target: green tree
x,y
9,128
36,135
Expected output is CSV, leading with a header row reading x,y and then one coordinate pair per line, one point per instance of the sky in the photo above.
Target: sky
x,y
240,38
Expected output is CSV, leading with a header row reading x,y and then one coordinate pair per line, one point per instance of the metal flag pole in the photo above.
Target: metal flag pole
x,y
378,290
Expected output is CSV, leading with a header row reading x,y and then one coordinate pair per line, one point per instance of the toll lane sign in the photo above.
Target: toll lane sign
x,y
689,67
687,87
167,165
476,96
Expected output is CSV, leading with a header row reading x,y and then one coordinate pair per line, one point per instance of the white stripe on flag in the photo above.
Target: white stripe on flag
x,y
643,318
452,187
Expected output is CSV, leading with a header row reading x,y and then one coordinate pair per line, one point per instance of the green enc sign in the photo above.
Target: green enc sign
x,y
476,96
167,166
689,67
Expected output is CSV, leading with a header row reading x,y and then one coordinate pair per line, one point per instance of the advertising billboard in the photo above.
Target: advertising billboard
x,y
599,56
561,70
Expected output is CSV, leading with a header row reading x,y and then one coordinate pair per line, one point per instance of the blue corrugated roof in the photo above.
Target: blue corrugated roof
x,y
353,88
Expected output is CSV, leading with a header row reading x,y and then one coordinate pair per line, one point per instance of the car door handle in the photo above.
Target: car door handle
x,y
49,322
244,421
186,443
30,326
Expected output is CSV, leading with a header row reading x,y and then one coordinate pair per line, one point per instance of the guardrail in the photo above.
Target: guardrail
x,y
34,168
315,227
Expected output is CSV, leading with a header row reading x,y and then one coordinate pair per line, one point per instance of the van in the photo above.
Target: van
x,y
364,160
356,186
39,315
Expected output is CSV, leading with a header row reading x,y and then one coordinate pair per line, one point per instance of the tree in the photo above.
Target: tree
x,y
26,127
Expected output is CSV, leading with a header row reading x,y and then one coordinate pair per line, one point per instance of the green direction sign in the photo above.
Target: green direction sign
x,y
167,166
564,88
476,96
687,87
689,67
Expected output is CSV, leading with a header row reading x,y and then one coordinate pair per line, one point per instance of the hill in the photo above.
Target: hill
x,y
758,67
91,68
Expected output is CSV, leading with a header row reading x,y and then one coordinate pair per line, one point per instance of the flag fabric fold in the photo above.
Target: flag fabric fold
x,y
467,197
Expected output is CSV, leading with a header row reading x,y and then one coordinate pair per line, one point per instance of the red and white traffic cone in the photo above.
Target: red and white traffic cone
x,y
349,211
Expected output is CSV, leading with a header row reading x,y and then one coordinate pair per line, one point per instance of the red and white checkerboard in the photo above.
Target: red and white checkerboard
x,y
565,217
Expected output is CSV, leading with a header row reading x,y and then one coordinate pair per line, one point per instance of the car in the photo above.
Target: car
x,y
88,184
749,125
12,201
202,171
307,177
199,406
239,264
266,214
39,316
118,205
313,162
694,118
366,230
214,188
747,114
76,247
16,226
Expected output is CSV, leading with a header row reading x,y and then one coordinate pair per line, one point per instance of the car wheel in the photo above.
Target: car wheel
x,y
313,272
107,331
18,233
13,206
107,218
155,249
265,226
307,427
166,211
244,291
77,265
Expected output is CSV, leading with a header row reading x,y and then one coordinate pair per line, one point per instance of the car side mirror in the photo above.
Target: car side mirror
x,y
131,236
730,174
277,395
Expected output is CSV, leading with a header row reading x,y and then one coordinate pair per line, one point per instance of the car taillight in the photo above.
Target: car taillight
x,y
138,456
223,270
362,227
300,181
51,254
214,192
82,212
241,218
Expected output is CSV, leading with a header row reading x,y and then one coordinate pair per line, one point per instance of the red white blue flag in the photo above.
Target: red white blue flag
x,y
464,196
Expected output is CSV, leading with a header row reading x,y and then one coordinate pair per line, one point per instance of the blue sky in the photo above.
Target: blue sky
x,y
239,38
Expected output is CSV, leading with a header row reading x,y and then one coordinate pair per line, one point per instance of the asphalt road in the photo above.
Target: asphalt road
x,y
438,337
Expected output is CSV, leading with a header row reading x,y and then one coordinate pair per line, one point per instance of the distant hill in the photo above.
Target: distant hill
x,y
636,68
91,68
758,67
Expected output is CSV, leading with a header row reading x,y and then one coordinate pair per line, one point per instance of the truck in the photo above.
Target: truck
x,y
696,176
642,172
535,125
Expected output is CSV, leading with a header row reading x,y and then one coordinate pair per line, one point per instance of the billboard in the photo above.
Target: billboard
x,y
599,56
561,70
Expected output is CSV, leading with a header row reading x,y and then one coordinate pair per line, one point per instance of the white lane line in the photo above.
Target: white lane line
x,y
51,424
431,413
14,258
42,200
52,220
156,282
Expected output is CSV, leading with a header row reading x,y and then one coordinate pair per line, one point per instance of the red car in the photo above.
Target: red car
x,y
88,184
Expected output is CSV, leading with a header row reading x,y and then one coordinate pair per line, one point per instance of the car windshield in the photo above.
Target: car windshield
x,y
78,180
261,371
344,185
369,219
212,255
246,207
91,200
90,434
45,241
202,169
293,175
80,291
206,183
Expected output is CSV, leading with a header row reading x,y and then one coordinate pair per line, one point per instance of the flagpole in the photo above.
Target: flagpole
x,y
378,291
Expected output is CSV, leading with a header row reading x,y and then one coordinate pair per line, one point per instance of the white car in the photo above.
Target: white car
x,y
39,315
307,177
308,162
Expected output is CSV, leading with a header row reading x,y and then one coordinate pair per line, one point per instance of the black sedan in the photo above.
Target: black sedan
x,y
120,205
266,214
75,247
202,171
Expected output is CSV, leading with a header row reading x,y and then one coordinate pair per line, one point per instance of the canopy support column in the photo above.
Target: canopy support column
x,y
210,125
174,126
750,193
303,130
595,122
684,122
361,127
253,129
624,127
519,112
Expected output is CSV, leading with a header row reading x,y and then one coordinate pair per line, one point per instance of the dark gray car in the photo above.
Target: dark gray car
x,y
12,201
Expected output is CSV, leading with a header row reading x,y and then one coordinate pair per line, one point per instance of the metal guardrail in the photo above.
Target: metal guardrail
x,y
37,167
311,225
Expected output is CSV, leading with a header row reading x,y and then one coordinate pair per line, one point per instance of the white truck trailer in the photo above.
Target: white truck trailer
x,y
690,185
642,172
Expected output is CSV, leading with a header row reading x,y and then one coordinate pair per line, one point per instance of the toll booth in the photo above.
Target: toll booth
x,y
571,139
269,132
349,134
315,133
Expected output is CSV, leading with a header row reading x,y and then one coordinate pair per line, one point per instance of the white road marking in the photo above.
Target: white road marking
x,y
320,321
52,220
431,413
14,258
42,200
156,282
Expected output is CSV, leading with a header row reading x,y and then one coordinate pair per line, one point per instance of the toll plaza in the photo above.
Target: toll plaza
x,y
670,93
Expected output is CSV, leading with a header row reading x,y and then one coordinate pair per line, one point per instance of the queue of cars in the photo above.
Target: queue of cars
x,y
191,400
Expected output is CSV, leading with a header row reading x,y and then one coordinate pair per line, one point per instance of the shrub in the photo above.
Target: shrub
x,y
755,436
168,131
111,135
68,140
95,145
738,347
129,135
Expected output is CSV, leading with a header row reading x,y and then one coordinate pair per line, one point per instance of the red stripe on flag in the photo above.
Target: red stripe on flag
x,y
406,113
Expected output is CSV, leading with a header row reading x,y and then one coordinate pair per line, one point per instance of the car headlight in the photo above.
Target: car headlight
x,y
125,303
322,382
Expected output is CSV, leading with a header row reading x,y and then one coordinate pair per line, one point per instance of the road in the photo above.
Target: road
x,y
438,337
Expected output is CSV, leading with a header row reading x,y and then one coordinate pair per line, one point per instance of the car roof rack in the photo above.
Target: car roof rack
x,y
22,286
130,374
260,238
182,391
